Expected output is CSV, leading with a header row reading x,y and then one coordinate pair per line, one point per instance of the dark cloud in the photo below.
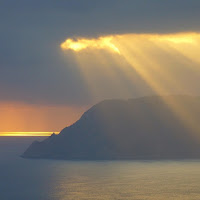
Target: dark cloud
x,y
32,68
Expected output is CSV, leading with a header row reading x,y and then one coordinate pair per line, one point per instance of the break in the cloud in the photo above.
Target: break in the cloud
x,y
33,68
83,43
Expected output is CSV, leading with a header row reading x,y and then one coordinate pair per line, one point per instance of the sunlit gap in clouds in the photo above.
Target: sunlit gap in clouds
x,y
83,43
167,63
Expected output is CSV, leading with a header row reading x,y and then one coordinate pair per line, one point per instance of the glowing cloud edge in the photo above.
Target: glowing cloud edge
x,y
109,42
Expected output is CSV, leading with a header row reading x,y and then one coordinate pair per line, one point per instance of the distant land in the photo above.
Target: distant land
x,y
154,127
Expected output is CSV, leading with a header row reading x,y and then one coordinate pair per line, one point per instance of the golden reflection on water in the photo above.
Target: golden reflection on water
x,y
128,180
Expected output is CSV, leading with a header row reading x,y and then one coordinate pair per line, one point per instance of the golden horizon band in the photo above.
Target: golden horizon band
x,y
27,133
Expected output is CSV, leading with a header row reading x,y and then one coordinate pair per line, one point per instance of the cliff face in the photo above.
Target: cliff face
x,y
143,128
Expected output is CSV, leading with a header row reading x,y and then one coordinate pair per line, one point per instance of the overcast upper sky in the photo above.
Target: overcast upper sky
x,y
32,67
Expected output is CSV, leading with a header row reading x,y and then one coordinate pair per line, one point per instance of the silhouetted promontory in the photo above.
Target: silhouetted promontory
x,y
155,127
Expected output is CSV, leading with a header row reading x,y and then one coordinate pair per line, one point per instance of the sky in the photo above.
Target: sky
x,y
132,48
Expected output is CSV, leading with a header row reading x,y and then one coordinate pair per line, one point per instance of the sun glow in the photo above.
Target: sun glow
x,y
177,38
23,119
159,63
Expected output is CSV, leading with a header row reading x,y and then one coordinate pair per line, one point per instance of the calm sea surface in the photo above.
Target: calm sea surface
x,y
24,179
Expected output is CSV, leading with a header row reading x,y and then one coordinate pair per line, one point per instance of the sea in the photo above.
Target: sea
x,y
38,179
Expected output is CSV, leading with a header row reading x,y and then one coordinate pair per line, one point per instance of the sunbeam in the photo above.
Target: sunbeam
x,y
162,62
